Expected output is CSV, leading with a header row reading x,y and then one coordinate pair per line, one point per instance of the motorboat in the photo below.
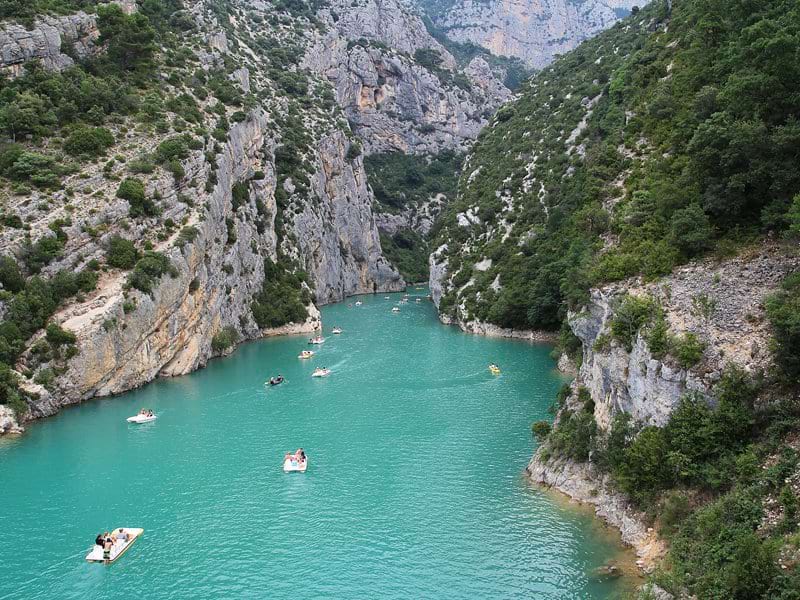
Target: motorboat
x,y
118,548
395,310
292,465
321,372
336,330
494,369
142,417
306,354
276,380
317,340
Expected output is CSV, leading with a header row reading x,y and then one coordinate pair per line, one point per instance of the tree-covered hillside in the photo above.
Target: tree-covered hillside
x,y
671,135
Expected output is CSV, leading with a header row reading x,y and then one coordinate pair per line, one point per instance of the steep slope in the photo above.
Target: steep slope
x,y
535,31
152,221
642,192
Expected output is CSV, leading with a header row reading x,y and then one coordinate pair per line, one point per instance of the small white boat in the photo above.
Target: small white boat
x,y
336,330
404,301
395,310
387,297
321,372
306,354
292,465
359,303
118,549
317,340
142,418
418,300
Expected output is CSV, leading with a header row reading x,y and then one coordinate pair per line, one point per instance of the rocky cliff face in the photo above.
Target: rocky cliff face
x,y
53,42
394,101
721,303
216,236
533,30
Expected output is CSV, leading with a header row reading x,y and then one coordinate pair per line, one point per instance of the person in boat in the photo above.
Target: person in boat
x,y
300,455
122,535
100,539
108,544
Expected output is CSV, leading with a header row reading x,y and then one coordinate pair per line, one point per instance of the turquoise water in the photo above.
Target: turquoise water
x,y
414,487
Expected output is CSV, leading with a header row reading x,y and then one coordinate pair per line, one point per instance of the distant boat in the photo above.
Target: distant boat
x,y
418,300
292,465
276,380
494,369
387,297
336,330
306,354
321,372
358,303
118,549
142,418
395,310
317,340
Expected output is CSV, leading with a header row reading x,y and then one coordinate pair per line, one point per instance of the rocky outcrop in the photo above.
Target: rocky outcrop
x,y
8,421
53,41
338,236
393,102
581,482
417,218
721,303
533,30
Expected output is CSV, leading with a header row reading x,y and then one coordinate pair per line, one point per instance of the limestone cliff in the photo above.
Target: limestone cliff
x,y
395,100
533,30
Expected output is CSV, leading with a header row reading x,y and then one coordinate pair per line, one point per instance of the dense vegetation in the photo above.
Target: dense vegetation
x,y
406,182
284,295
689,145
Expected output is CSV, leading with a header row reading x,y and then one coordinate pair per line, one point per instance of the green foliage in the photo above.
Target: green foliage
x,y
129,39
282,298
783,312
573,436
11,278
58,336
541,429
692,137
632,313
121,253
408,251
402,180
10,394
41,253
132,190
186,236
88,141
148,270
688,350
224,339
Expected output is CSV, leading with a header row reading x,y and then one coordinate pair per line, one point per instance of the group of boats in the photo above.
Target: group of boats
x,y
109,547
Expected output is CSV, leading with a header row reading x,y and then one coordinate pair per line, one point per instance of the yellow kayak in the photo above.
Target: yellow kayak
x,y
494,369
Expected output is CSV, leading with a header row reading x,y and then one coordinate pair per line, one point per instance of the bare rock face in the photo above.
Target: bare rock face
x,y
720,303
393,102
8,421
338,236
533,30
46,42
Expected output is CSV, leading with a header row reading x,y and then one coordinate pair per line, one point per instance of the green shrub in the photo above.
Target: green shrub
x,y
41,253
282,298
783,312
88,141
187,235
688,350
224,339
541,429
121,253
631,314
58,336
132,190
148,270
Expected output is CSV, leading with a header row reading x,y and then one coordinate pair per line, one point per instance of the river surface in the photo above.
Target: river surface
x,y
414,487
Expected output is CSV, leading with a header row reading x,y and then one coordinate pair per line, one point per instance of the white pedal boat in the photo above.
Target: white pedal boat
x,y
290,465
118,549
317,340
395,310
359,303
336,330
306,354
138,419
321,372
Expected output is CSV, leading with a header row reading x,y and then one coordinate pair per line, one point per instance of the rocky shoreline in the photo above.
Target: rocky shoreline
x,y
584,484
